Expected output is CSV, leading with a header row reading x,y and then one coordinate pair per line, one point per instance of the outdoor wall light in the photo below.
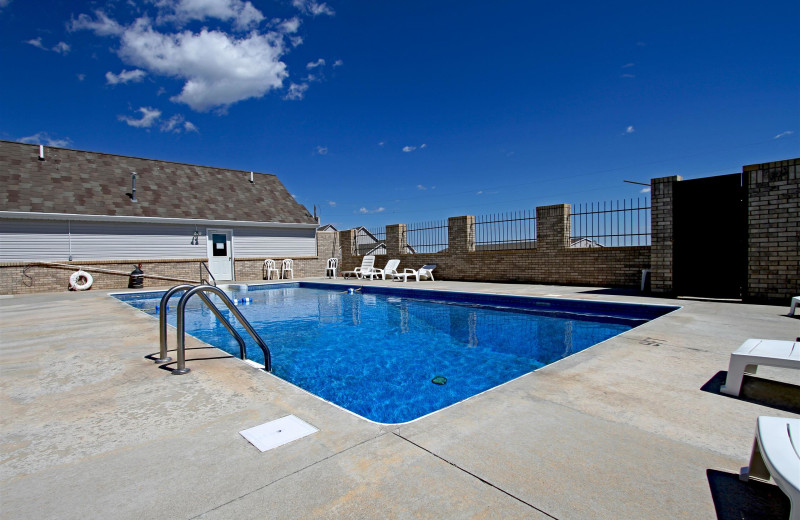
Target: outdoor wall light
x,y
196,237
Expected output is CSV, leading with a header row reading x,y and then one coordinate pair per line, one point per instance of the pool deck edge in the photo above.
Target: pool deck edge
x,y
632,428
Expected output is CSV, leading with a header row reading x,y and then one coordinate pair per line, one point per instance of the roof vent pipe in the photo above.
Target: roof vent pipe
x,y
251,178
133,187
41,152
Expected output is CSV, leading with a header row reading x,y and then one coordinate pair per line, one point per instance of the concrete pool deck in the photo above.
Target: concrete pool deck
x,y
634,427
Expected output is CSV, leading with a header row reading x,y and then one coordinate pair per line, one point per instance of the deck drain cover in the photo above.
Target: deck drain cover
x,y
278,432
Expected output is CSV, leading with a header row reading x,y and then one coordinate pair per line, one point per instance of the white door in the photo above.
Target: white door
x,y
220,253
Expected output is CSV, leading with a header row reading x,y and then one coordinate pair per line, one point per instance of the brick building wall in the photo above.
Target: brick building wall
x,y
773,203
42,278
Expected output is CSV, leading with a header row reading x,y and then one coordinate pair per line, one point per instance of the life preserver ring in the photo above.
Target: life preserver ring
x,y
80,280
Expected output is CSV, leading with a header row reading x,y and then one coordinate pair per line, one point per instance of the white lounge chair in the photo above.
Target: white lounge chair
x,y
390,269
287,267
754,352
333,265
367,265
373,272
776,452
795,304
423,273
269,268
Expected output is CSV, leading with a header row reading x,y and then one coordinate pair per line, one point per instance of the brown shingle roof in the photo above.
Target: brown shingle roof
x,y
89,183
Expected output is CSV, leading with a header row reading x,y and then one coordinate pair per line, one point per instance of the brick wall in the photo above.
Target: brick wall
x,y
52,279
773,231
552,262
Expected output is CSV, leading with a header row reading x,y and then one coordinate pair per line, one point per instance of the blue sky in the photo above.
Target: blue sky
x,y
401,112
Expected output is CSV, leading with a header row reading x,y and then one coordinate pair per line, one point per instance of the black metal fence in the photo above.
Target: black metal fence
x,y
502,231
611,224
427,237
370,241
596,224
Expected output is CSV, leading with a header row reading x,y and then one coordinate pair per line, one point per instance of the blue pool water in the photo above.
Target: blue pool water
x,y
375,352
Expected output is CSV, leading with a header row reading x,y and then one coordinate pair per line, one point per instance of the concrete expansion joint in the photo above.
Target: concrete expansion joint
x,y
473,475
295,472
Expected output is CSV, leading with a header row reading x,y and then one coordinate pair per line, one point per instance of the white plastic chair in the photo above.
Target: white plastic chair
x,y
775,454
333,265
269,268
754,352
287,267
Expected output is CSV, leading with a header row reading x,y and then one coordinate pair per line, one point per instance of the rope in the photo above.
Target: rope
x,y
96,269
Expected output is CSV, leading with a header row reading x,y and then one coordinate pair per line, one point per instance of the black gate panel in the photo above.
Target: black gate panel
x,y
710,237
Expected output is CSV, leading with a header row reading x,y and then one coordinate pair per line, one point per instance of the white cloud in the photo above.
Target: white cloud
x,y
322,150
314,64
338,63
149,116
4,3
296,91
242,14
409,148
218,69
61,48
423,146
783,134
102,25
173,124
381,143
332,203
421,187
312,7
629,130
36,42
81,77
628,65
125,76
289,26
627,75
376,210
644,190
44,138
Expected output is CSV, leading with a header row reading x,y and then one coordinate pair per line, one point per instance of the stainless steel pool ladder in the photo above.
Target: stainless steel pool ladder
x,y
200,290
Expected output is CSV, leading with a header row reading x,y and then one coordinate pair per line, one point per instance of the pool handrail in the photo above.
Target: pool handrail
x,y
162,323
200,289
211,280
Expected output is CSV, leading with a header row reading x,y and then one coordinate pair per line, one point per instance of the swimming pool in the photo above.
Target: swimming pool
x,y
393,355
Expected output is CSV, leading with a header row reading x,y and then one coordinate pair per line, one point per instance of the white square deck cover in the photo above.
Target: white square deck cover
x,y
278,432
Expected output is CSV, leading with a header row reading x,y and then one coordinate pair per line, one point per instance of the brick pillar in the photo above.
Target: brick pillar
x,y
328,245
395,240
461,235
553,227
347,241
662,254
773,231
